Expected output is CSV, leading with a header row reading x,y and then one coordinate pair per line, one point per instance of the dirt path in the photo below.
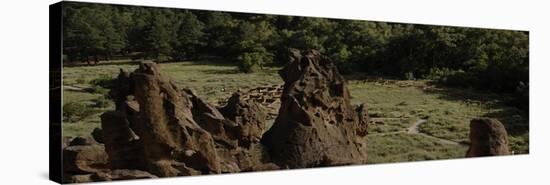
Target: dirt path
x,y
75,88
414,129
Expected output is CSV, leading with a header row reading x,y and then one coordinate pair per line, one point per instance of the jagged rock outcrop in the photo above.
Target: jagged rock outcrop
x,y
488,137
316,125
153,129
167,131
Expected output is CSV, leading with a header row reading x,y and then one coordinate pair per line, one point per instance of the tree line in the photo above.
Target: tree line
x,y
496,60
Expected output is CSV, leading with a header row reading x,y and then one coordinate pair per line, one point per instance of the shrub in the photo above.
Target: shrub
x,y
346,68
250,62
341,58
80,81
457,78
438,74
408,76
460,79
520,97
104,81
76,111
101,102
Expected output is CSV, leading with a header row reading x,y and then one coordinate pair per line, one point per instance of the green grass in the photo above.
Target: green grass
x,y
214,82
446,110
378,126
403,147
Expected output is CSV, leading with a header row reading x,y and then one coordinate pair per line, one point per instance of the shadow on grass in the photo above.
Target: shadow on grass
x,y
360,76
220,72
514,119
102,63
516,123
464,94
216,61
207,61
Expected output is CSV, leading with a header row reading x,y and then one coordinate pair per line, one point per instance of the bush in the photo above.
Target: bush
x,y
104,81
457,78
408,76
341,58
101,102
461,79
520,98
80,80
75,111
438,74
250,62
346,68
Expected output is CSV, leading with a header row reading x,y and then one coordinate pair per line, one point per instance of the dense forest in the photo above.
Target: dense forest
x,y
486,59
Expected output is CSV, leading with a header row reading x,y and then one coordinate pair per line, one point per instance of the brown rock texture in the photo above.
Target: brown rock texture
x,y
248,117
267,96
153,129
237,129
81,157
167,131
316,125
158,130
488,137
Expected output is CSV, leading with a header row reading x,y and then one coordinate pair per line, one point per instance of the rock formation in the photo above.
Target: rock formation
x,y
316,125
158,130
488,137
153,128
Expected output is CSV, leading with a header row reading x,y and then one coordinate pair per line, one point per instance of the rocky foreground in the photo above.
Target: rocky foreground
x,y
160,130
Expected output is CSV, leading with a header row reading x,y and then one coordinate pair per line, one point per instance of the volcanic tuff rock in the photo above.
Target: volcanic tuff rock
x,y
488,137
167,131
317,125
153,129
158,130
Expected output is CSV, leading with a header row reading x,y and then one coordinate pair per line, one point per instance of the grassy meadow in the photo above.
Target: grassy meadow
x,y
394,106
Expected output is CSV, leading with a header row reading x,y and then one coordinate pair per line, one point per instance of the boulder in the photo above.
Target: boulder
x,y
82,159
488,137
97,134
316,125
